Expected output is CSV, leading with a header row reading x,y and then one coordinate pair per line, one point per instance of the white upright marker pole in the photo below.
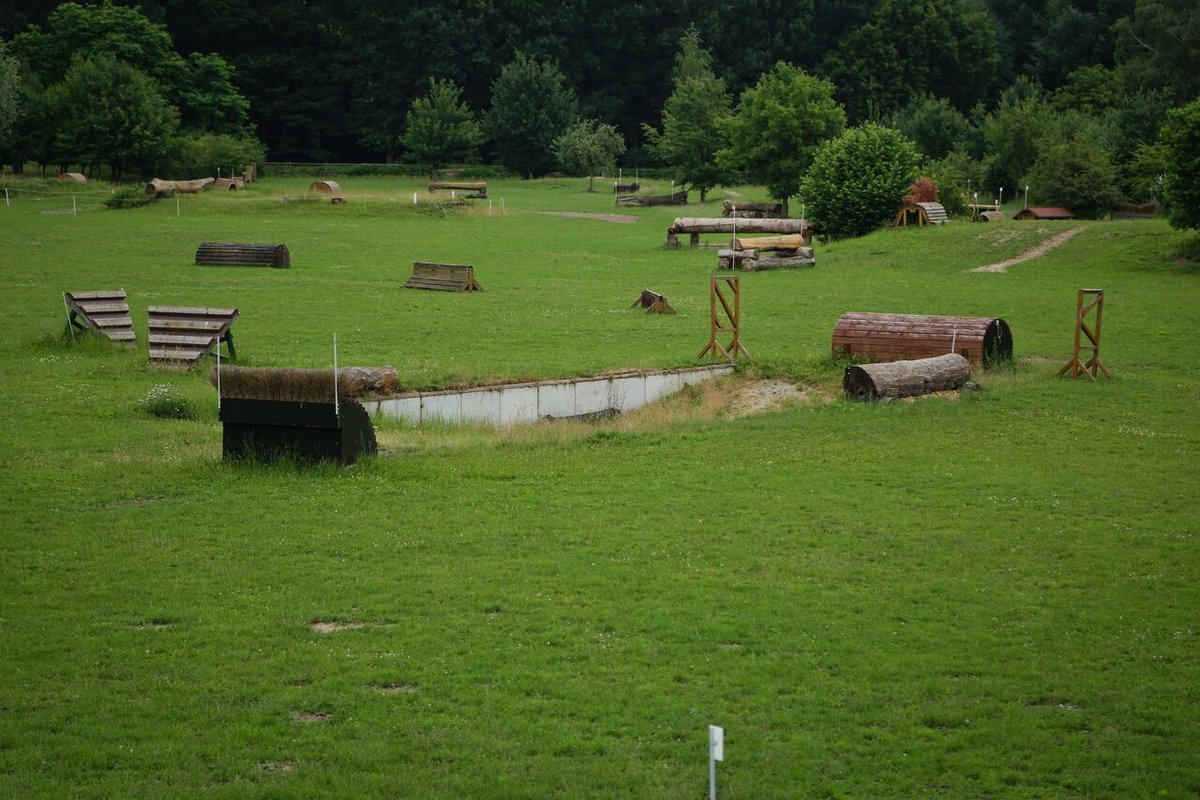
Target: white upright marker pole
x,y
1027,195
337,409
7,202
218,377
716,752
74,208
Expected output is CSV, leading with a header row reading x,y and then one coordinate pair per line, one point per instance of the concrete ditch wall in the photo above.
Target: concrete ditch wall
x,y
529,402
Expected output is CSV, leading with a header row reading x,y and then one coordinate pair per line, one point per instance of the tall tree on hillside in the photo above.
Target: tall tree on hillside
x,y
1159,46
935,126
1181,136
532,105
107,112
440,128
10,92
589,147
692,119
778,126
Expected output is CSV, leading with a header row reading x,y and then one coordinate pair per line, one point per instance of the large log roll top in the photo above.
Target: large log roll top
x,y
984,341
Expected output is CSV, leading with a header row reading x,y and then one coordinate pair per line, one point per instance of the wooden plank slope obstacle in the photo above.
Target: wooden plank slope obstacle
x,y
181,335
443,277
983,341
653,302
105,312
229,254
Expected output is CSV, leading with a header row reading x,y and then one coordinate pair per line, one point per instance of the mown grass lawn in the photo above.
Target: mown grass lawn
x,y
988,596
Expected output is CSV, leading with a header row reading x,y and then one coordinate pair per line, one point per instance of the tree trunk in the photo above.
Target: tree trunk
x,y
906,378
703,195
591,179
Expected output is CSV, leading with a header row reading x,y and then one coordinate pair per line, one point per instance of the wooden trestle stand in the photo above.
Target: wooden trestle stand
x,y
1091,332
730,323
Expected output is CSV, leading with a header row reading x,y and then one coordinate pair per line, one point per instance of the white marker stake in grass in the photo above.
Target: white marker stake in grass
x,y
716,752
176,206
337,409
7,202
218,349
414,198
74,208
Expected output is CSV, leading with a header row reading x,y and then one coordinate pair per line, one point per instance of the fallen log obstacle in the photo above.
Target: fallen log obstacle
x,y
906,378
1089,330
181,335
983,341
157,186
653,302
676,199
105,313
478,190
695,226
751,210
332,189
443,277
229,254
721,291
787,252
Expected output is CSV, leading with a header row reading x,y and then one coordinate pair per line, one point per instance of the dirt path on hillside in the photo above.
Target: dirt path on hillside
x,y
1041,249
588,215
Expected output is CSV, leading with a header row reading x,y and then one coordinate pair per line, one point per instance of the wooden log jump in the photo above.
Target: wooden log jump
x,y
906,378
653,302
751,210
180,336
156,186
754,261
229,184
477,189
984,341
626,188
676,199
443,277
229,254
106,313
694,226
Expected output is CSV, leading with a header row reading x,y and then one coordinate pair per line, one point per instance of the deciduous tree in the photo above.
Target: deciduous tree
x,y
532,105
589,147
1181,135
440,128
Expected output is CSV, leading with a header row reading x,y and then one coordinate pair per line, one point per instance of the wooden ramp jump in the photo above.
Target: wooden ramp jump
x,y
106,313
229,254
443,277
653,302
181,336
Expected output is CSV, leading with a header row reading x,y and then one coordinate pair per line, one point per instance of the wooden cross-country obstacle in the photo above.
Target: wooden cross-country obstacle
x,y
477,189
726,322
229,184
751,210
906,378
694,226
1088,301
331,189
106,313
653,302
920,215
786,252
180,336
228,254
679,198
984,341
443,277
626,188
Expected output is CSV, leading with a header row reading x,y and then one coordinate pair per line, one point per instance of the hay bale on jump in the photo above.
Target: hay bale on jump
x,y
984,341
906,378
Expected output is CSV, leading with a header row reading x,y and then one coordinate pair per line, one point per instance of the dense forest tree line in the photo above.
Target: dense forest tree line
x,y
978,86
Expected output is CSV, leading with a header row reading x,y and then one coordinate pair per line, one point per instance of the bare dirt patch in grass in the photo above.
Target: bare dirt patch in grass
x,y
394,688
1034,252
307,716
758,396
333,626
732,646
277,766
620,218
152,625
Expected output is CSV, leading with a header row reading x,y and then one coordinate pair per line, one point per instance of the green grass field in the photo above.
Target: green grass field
x,y
994,595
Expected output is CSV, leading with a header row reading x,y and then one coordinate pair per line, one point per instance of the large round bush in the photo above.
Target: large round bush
x,y
858,179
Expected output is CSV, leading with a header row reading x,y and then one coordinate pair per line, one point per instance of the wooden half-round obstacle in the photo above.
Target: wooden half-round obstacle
x,y
984,341
331,188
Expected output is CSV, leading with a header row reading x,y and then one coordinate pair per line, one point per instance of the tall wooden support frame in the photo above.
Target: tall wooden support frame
x,y
729,323
1087,336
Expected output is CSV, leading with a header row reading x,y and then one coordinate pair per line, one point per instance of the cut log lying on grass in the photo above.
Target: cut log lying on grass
x,y
304,385
906,378
157,186
745,210
792,241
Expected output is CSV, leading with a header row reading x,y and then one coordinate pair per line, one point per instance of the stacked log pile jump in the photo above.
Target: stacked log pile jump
x,y
751,210
786,252
906,378
676,199
694,226
984,341
157,186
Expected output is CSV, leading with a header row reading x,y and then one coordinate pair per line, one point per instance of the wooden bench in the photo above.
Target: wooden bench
x,y
443,277
223,254
477,189
653,302
180,336
106,313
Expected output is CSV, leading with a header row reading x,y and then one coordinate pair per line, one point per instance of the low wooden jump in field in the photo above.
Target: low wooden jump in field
x,y
106,313
626,188
694,226
751,210
984,341
477,189
787,252
443,277
180,336
653,302
676,199
225,254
